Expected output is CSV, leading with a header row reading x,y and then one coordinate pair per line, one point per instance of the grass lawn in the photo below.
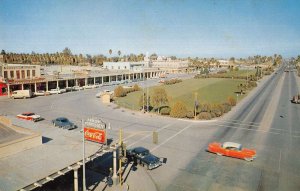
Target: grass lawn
x,y
241,73
210,90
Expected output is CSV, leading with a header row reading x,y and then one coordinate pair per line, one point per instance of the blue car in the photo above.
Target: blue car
x,y
64,123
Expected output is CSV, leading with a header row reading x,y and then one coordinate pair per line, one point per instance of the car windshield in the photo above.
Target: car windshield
x,y
28,114
64,120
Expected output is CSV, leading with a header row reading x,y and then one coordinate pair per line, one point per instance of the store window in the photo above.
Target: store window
x,y
28,73
12,74
23,74
5,74
18,74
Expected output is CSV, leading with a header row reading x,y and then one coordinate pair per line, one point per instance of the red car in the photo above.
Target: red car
x,y
231,149
29,116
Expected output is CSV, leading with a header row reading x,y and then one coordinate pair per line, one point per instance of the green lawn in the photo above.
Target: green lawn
x,y
240,73
210,90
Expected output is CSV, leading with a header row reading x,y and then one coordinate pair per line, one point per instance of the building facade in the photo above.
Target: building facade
x,y
19,71
124,65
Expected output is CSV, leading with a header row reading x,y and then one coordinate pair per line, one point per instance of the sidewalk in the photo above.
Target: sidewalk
x,y
135,178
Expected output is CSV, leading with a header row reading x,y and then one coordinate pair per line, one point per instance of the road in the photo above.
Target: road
x,y
268,123
265,121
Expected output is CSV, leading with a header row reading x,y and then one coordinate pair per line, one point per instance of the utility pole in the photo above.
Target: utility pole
x,y
83,157
195,106
120,156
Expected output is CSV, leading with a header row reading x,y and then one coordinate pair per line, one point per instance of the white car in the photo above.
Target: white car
x,y
77,88
63,90
90,86
55,91
30,116
41,93
98,95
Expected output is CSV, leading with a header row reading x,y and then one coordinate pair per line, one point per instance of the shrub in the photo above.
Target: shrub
x,y
165,111
190,114
119,91
217,110
252,84
178,110
213,115
136,87
206,107
231,101
204,115
227,107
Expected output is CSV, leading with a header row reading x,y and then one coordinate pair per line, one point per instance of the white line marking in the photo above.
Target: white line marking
x,y
279,161
164,127
171,137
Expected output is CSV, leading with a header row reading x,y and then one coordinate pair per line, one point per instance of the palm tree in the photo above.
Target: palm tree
x,y
110,51
119,52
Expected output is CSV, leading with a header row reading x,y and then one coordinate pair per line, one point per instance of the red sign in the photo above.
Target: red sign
x,y
96,135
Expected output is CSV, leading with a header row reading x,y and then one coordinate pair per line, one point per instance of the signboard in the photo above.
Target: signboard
x,y
97,123
95,130
95,135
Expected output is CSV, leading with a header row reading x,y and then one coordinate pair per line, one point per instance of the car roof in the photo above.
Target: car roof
x,y
231,144
26,113
140,149
61,118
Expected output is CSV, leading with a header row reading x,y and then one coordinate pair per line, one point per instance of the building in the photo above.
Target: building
x,y
125,65
19,71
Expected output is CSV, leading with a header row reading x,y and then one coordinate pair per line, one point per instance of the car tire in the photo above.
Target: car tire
x,y
220,154
249,159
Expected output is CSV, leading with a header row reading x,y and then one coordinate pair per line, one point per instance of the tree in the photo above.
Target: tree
x,y
67,52
159,97
119,52
179,110
3,52
143,101
110,51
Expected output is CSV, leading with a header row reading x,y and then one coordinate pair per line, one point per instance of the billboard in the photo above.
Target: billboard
x,y
95,135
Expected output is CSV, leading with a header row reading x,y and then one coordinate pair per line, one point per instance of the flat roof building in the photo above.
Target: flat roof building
x,y
19,71
125,65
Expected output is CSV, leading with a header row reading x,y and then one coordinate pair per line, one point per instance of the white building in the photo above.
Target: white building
x,y
125,65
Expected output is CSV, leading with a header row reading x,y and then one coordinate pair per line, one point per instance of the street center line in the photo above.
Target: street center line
x,y
164,127
171,137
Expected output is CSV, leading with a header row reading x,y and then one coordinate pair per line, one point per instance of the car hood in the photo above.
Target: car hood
x,y
35,116
151,159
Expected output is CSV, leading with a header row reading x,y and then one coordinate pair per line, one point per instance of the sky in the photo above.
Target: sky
x,y
203,28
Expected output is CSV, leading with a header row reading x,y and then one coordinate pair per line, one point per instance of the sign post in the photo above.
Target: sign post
x,y
93,130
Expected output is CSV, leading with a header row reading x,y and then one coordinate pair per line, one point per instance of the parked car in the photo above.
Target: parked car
x,y
231,149
41,93
55,91
77,88
142,156
21,94
30,116
89,86
64,123
97,85
70,89
63,90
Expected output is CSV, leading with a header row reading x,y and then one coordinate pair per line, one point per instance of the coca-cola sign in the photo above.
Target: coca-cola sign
x,y
95,135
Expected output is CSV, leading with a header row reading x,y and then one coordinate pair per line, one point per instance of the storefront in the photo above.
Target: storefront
x,y
3,89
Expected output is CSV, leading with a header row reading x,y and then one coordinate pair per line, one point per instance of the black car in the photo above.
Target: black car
x,y
64,123
142,156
